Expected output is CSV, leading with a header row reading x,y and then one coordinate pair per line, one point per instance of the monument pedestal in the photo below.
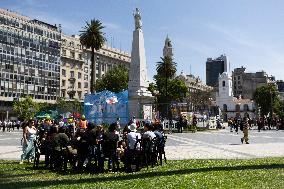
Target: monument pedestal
x,y
140,105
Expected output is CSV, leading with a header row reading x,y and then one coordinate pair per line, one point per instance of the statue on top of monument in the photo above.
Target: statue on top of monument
x,y
137,18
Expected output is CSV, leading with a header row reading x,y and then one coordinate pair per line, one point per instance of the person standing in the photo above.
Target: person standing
x,y
29,135
180,124
18,124
194,123
4,125
83,123
245,130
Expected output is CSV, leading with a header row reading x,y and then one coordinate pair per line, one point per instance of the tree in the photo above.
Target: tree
x,y
25,108
265,97
199,99
166,70
115,80
279,108
93,37
62,106
77,106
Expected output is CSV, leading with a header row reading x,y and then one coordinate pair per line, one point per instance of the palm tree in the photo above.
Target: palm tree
x,y
166,69
93,37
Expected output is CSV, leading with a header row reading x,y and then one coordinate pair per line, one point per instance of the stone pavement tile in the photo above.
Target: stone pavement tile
x,y
11,152
195,149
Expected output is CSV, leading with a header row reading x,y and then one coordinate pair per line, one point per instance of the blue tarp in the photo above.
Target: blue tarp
x,y
106,106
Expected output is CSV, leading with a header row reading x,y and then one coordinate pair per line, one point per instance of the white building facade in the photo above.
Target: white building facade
x,y
229,105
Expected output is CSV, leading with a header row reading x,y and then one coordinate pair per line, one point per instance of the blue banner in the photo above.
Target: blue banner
x,y
106,107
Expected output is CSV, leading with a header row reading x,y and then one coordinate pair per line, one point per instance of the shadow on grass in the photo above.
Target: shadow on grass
x,y
139,175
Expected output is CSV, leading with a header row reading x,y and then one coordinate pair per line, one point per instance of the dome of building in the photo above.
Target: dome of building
x,y
183,76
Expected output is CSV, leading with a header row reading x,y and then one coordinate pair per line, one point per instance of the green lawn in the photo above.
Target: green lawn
x,y
255,173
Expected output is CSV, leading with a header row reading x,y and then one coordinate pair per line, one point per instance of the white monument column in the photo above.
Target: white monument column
x,y
139,98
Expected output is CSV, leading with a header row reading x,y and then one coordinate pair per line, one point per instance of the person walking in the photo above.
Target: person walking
x,y
245,130
29,135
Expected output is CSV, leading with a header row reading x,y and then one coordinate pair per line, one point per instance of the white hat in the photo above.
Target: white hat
x,y
132,127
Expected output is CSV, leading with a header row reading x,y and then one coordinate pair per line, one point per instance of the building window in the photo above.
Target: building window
x,y
86,69
86,85
80,95
63,52
79,75
72,74
63,94
80,56
71,96
225,108
72,54
79,85
63,83
85,77
64,73
238,108
239,77
246,107
223,83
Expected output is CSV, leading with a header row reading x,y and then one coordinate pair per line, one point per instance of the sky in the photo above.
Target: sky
x,y
249,32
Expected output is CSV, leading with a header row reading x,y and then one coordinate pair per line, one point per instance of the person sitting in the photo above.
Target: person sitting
x,y
148,133
132,148
149,143
99,155
60,142
110,146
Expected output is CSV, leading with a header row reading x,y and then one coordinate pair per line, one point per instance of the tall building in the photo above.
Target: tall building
x,y
245,84
215,67
29,59
76,66
168,48
36,59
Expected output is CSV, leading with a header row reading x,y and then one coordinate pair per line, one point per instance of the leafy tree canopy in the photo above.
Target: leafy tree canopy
x,y
115,80
265,97
26,108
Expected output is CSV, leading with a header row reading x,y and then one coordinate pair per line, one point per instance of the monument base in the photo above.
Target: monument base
x,y
140,106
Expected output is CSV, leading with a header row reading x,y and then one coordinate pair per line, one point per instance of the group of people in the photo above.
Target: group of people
x,y
262,123
9,125
87,146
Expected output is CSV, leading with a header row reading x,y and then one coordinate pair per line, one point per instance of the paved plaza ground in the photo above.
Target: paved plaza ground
x,y
221,144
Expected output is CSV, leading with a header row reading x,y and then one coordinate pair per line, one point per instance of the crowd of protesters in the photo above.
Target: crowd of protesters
x,y
87,146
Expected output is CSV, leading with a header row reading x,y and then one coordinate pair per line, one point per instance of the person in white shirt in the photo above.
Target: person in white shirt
x,y
132,137
29,135
148,132
130,162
